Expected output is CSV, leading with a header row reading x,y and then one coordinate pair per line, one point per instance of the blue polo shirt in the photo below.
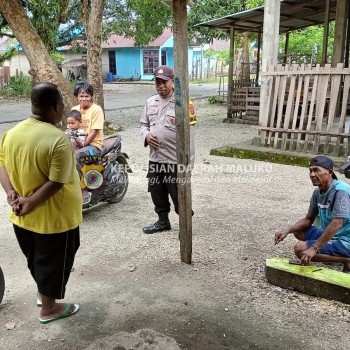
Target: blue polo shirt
x,y
335,203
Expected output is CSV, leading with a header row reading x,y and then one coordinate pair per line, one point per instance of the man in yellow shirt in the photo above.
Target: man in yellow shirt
x,y
38,173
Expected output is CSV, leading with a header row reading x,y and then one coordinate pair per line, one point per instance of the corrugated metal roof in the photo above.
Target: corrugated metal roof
x,y
76,62
118,41
295,14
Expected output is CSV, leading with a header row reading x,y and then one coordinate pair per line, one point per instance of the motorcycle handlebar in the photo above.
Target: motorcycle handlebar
x,y
75,134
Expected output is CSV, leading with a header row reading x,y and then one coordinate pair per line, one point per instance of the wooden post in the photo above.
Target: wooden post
x,y
182,127
325,32
286,48
272,11
347,46
230,72
339,35
258,60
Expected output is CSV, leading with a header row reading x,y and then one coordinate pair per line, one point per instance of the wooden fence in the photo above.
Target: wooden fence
x,y
306,109
4,75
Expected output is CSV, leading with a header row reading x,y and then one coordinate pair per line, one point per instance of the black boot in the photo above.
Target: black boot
x,y
163,224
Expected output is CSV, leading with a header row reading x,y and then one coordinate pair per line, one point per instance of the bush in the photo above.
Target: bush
x,y
215,100
19,86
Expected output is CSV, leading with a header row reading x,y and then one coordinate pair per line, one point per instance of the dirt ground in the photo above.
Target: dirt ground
x,y
136,294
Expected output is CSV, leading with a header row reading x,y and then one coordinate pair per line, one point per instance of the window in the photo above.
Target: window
x,y
163,57
150,61
112,64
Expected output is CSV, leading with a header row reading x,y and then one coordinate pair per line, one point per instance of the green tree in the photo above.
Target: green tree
x,y
206,10
57,22
43,67
305,45
7,55
142,20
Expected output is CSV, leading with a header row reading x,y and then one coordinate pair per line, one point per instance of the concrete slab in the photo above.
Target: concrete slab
x,y
313,280
247,150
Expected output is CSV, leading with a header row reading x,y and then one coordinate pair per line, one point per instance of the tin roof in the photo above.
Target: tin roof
x,y
118,41
295,14
76,62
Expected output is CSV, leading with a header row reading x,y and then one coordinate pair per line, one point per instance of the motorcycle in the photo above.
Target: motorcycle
x,y
345,169
104,178
2,285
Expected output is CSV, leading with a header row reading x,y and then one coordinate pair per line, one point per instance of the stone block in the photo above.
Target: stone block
x,y
312,280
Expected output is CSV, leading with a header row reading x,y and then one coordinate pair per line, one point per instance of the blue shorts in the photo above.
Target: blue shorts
x,y
333,247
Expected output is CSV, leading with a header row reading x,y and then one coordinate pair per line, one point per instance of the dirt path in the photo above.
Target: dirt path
x,y
135,293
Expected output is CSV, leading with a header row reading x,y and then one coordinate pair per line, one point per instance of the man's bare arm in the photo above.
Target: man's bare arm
x,y
299,226
46,191
6,184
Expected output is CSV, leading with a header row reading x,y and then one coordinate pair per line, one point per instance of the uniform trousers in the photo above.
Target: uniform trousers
x,y
162,182
50,258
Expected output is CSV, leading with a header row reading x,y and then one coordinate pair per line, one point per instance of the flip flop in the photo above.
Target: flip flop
x,y
39,303
64,314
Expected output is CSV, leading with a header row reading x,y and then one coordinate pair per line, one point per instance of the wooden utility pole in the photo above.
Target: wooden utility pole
x,y
182,127
272,10
340,32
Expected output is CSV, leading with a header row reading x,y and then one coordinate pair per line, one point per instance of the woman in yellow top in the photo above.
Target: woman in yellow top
x,y
92,121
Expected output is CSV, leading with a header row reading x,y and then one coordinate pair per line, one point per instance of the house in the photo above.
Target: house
x,y
19,63
125,61
121,60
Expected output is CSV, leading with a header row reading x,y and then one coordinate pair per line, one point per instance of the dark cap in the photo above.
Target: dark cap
x,y
164,73
323,162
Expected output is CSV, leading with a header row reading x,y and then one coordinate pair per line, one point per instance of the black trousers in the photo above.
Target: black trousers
x,y
50,258
162,182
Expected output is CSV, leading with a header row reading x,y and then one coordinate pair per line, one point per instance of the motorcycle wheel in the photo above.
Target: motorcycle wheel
x,y
121,193
2,285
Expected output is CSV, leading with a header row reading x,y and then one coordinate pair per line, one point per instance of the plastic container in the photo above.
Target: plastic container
x,y
109,77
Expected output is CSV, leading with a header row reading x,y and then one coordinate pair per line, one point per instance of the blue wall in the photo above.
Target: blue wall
x,y
128,62
169,42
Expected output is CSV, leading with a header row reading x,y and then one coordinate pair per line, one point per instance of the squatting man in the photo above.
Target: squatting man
x,y
330,241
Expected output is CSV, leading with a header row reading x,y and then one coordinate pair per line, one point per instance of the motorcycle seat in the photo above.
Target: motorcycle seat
x,y
110,144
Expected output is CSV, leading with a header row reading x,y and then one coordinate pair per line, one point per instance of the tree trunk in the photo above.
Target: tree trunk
x,y
243,64
245,56
43,69
94,51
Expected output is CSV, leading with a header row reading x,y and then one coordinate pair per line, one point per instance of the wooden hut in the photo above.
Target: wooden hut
x,y
301,107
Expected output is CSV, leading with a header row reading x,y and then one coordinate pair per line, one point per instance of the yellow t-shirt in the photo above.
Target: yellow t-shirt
x,y
34,152
93,119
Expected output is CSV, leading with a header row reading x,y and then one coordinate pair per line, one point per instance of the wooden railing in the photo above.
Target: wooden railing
x,y
243,106
307,109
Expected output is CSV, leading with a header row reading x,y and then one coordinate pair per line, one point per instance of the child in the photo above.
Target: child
x,y
74,126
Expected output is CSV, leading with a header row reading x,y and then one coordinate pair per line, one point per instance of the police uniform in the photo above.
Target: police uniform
x,y
159,118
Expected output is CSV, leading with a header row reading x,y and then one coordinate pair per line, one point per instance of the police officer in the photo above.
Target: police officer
x,y
158,131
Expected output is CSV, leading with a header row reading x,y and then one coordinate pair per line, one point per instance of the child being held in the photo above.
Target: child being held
x,y
74,126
